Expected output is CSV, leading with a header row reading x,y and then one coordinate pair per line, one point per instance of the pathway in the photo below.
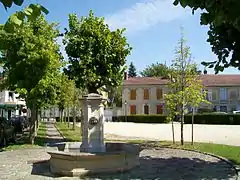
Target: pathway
x,y
53,136
160,163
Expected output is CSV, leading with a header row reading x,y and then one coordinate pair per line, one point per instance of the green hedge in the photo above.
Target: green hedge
x,y
141,119
227,119
221,119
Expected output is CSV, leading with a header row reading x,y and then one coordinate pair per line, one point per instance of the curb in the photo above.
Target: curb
x,y
64,138
234,166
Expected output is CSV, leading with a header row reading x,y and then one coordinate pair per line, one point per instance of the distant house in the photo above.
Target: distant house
x,y
10,104
144,95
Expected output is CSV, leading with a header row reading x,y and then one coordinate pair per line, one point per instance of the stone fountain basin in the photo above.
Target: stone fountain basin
x,y
69,161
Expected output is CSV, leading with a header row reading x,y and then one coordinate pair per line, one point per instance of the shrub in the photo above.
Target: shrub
x,y
224,119
141,119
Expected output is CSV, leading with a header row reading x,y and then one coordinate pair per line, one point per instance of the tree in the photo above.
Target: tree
x,y
32,64
115,96
184,84
66,94
31,12
155,70
97,55
132,70
223,17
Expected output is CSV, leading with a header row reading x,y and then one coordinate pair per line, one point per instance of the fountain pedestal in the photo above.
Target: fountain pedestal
x,y
92,124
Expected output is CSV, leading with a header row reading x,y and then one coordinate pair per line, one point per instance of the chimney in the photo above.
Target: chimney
x,y
125,76
205,71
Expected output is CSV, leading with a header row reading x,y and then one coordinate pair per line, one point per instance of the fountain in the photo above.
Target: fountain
x,y
92,155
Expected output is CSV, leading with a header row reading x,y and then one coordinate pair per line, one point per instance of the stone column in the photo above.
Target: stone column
x,y
92,124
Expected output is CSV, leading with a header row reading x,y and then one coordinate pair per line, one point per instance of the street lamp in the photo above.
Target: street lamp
x,y
125,110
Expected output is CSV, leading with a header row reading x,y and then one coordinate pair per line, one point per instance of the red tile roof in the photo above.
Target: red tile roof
x,y
208,80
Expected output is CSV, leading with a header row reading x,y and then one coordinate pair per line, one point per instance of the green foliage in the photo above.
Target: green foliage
x,y
223,18
115,95
66,92
155,70
227,119
8,3
132,72
32,12
141,119
184,83
32,61
97,56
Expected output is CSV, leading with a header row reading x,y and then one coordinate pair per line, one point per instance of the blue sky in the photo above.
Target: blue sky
x,y
153,26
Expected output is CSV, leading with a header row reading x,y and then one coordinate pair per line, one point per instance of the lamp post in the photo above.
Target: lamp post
x,y
125,103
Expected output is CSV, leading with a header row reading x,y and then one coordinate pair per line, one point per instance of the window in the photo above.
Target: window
x,y
159,94
159,109
223,94
223,108
146,109
10,96
232,95
133,109
214,95
133,94
146,94
214,108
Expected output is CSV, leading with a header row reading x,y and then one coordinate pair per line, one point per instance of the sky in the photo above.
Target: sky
x,y
152,27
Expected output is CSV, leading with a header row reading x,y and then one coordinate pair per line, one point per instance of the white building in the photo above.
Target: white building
x,y
10,104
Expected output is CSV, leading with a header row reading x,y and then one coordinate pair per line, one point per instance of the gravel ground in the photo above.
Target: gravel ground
x,y
164,164
218,134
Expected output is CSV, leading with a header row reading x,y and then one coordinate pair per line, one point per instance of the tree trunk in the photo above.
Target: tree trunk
x,y
32,127
68,116
61,115
173,135
182,121
37,123
74,118
192,123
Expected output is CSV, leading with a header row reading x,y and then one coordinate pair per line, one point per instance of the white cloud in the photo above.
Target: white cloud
x,y
144,15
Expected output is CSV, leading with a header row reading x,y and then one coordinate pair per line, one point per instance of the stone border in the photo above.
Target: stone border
x,y
64,138
234,166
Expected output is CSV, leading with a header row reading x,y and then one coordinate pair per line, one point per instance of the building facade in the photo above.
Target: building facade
x,y
10,104
144,95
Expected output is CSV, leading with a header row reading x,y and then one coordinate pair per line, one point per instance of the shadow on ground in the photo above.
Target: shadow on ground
x,y
159,168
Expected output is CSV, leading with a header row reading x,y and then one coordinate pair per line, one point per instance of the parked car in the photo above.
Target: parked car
x,y
7,133
20,123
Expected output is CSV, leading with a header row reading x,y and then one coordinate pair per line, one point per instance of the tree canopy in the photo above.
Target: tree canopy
x,y
155,70
132,72
97,55
32,64
223,18
31,12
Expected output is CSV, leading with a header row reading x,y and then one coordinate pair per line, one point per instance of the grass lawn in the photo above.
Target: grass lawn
x,y
39,140
68,133
230,152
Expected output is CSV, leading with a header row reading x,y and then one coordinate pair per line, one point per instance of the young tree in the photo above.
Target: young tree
x,y
97,55
155,70
32,64
184,84
132,70
224,29
66,94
